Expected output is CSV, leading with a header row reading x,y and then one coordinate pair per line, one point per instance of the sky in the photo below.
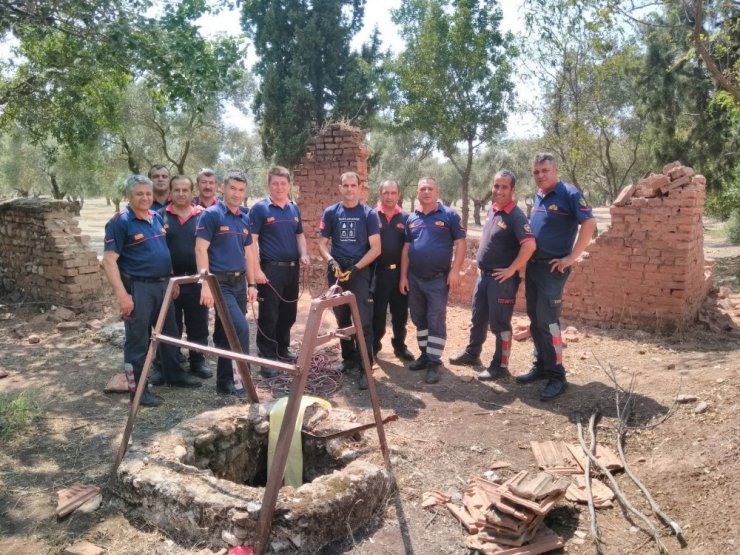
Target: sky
x,y
377,12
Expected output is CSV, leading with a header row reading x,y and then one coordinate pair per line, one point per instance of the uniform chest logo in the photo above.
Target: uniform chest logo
x,y
223,228
502,225
399,226
270,219
553,208
582,202
138,236
439,224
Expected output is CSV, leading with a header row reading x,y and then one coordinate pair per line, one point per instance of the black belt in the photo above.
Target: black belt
x,y
390,267
145,279
280,264
488,273
346,262
543,260
228,277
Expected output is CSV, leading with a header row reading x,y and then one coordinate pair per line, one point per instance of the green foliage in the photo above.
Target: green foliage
x,y
17,411
454,77
308,74
732,227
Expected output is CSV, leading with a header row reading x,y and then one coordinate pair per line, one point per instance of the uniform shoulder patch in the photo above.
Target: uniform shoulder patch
x,y
295,219
502,224
439,224
270,219
582,202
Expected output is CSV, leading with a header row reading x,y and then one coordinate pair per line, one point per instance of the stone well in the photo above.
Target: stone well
x,y
201,482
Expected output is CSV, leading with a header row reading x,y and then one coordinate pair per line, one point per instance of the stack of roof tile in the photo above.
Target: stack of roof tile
x,y
507,519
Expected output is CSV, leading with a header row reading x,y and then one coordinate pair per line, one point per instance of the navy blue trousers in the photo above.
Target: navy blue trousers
x,y
544,295
387,295
493,306
235,297
359,284
277,317
428,308
148,299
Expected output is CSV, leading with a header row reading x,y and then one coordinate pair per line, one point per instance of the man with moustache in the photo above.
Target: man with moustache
x,y
506,244
388,272
434,234
207,187
180,217
137,264
563,225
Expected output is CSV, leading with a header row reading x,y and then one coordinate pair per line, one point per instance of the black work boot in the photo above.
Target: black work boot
x,y
465,359
420,363
555,388
535,373
432,375
148,399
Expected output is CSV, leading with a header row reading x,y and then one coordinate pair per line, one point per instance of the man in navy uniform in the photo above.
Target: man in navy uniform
x,y
160,176
137,264
224,246
350,242
180,217
277,229
428,271
506,244
388,272
207,188
563,225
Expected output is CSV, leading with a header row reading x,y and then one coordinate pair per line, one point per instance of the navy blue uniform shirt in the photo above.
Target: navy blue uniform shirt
x,y
276,228
432,237
392,236
140,244
349,230
555,219
506,228
228,234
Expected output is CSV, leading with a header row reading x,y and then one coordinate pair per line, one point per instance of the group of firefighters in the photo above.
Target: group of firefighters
x,y
387,257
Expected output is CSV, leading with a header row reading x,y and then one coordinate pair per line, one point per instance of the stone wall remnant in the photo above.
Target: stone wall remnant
x,y
43,253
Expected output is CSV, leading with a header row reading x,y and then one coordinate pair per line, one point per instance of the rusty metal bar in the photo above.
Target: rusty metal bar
x,y
350,431
153,344
223,315
205,349
280,458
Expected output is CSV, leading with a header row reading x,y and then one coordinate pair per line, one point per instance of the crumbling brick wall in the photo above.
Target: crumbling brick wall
x,y
43,253
338,148
647,270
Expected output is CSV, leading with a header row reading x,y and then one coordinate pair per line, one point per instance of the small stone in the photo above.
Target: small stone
x,y
70,326
263,427
83,548
491,476
686,398
670,366
641,460
506,422
33,339
279,545
240,533
467,379
94,325
3,374
179,451
720,380
229,538
701,407
634,529
580,534
477,449
642,351
60,313
240,518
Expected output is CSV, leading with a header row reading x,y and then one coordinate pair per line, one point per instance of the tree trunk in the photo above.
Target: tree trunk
x,y
55,192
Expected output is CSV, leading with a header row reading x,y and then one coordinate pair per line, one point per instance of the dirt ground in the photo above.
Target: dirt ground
x,y
446,434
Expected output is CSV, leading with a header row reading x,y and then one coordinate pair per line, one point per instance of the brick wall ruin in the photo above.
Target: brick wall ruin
x,y
647,270
43,253
338,148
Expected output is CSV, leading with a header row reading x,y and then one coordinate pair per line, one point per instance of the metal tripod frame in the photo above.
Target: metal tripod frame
x,y
311,340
